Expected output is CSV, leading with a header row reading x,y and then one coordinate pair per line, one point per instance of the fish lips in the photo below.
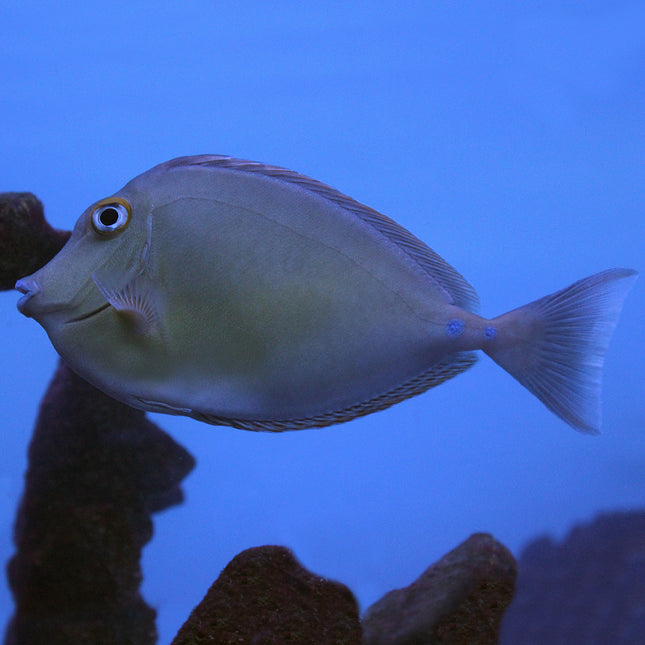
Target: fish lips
x,y
26,305
32,306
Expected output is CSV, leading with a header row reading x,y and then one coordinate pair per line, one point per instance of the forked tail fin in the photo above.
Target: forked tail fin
x,y
556,346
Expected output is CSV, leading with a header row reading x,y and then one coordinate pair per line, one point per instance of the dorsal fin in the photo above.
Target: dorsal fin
x,y
462,294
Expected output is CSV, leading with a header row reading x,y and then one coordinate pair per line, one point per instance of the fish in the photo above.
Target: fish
x,y
247,295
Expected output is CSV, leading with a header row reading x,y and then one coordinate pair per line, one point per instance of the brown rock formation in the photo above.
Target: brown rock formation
x,y
265,596
589,588
459,600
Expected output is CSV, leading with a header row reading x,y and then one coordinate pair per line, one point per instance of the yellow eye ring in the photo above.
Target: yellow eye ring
x,y
111,215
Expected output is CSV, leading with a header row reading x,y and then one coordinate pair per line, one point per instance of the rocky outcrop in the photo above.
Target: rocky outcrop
x,y
460,599
27,241
97,471
590,588
265,596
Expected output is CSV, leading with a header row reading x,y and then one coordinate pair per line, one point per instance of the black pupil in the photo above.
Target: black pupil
x,y
109,216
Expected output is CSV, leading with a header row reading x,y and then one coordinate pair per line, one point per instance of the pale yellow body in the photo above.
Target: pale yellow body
x,y
245,294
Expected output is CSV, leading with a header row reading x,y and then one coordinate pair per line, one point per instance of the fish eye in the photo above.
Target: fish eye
x,y
110,215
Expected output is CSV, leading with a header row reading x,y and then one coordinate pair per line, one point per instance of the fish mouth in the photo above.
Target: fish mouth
x,y
22,304
89,314
29,306
29,288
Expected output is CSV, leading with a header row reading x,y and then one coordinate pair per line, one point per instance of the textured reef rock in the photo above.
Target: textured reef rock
x,y
265,596
590,588
27,241
97,470
458,600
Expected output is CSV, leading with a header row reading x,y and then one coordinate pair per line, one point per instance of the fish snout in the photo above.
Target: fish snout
x,y
29,287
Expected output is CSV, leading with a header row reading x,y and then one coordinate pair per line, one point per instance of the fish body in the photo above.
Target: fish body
x,y
247,295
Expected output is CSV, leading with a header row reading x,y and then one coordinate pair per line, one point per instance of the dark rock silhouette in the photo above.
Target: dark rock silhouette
x,y
97,470
590,588
458,600
27,241
265,596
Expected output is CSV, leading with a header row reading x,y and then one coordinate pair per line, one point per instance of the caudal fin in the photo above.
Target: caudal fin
x,y
556,346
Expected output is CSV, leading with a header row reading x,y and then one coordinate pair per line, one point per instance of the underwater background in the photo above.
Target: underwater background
x,y
508,137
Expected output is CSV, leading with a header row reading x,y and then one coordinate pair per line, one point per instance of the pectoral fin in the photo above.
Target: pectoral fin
x,y
137,300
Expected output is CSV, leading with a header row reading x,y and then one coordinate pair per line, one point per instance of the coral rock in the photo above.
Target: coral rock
x,y
27,241
458,600
265,596
97,470
589,588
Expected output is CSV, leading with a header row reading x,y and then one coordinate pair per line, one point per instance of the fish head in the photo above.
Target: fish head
x,y
75,297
